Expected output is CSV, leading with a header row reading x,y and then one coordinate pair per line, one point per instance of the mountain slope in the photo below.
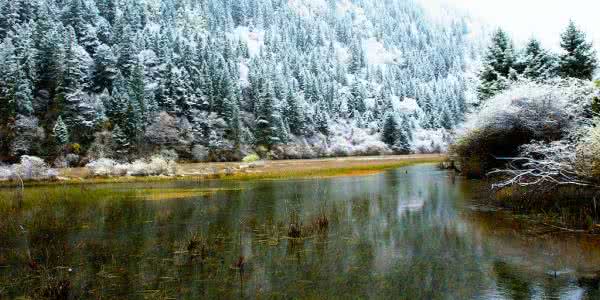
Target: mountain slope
x,y
215,79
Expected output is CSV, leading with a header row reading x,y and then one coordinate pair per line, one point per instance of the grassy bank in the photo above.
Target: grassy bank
x,y
269,170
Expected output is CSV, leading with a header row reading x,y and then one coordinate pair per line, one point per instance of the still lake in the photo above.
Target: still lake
x,y
410,233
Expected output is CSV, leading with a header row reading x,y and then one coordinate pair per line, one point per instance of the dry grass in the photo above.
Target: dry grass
x,y
332,167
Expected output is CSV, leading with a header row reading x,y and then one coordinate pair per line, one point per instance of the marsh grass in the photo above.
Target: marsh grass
x,y
567,207
314,169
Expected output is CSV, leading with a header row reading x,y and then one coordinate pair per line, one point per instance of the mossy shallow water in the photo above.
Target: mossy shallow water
x,y
405,233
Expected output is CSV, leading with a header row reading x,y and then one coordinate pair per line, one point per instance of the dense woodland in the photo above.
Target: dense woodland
x,y
219,79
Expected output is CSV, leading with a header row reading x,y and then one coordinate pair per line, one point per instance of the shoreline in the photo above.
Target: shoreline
x,y
262,170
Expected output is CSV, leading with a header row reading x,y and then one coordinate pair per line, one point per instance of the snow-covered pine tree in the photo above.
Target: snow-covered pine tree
x,y
294,114
105,68
194,55
497,65
23,97
538,63
61,132
389,133
267,121
121,143
579,59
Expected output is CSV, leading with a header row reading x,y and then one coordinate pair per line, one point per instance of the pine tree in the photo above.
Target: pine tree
x,y
9,19
390,130
105,69
137,93
23,95
402,145
579,58
61,133
50,56
72,77
73,16
25,50
357,59
321,119
9,70
357,102
538,63
497,66
267,122
118,105
231,115
121,143
295,115
127,53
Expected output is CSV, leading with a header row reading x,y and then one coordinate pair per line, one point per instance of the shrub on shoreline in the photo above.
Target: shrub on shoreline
x,y
155,166
30,168
526,113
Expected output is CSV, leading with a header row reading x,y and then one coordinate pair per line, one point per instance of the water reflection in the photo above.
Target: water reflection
x,y
406,234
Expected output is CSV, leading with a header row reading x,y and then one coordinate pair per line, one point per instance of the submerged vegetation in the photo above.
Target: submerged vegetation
x,y
335,237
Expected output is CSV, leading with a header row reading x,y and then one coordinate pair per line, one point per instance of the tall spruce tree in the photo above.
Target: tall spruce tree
x,y
497,65
61,133
579,59
105,69
538,63
267,121
390,130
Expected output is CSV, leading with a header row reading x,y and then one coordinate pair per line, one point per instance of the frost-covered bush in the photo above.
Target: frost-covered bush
x,y
200,153
156,165
6,172
168,154
588,153
106,167
527,112
349,140
32,167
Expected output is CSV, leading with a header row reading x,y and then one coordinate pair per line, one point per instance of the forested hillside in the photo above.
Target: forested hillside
x,y
218,79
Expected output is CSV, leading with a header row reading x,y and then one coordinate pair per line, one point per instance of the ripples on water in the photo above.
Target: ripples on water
x,y
404,234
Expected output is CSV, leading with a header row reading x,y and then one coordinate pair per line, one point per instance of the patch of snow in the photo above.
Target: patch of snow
x,y
430,141
254,39
407,106
308,7
244,73
377,54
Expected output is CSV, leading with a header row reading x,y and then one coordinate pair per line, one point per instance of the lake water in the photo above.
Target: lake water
x,y
410,233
